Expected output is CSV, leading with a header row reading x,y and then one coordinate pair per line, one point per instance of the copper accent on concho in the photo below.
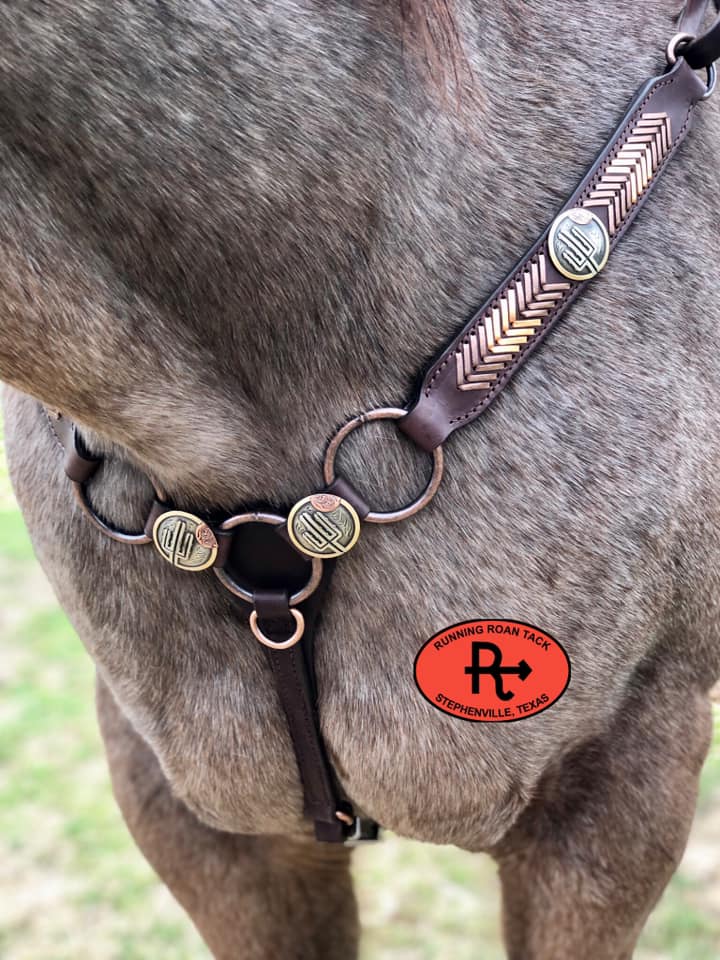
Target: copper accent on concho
x,y
205,537
518,315
177,536
325,502
323,531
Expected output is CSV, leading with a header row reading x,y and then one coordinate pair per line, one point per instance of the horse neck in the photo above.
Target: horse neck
x,y
227,233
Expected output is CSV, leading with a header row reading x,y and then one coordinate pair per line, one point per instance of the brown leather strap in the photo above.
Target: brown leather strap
x,y
332,815
341,487
472,371
156,511
692,18
78,464
705,50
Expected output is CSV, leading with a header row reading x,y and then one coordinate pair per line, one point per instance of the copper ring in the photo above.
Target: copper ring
x,y
711,82
284,644
316,569
389,516
671,51
121,536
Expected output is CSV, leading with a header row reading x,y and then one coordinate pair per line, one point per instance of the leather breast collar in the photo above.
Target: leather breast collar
x,y
283,585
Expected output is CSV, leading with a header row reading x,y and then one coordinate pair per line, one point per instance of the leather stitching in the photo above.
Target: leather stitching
x,y
577,287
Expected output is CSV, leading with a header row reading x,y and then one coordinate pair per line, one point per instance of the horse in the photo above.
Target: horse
x,y
226,228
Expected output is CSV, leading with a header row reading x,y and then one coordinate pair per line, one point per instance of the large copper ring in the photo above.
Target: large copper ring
x,y
388,516
122,536
316,569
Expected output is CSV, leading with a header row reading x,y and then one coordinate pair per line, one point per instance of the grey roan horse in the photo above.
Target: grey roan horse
x,y
228,227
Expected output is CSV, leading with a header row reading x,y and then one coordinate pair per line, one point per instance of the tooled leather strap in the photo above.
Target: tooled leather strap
x,y
472,371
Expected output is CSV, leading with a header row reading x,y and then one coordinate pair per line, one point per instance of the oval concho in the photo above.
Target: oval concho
x,y
579,244
185,540
323,525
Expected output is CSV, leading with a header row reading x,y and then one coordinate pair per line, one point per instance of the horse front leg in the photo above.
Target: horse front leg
x,y
587,862
251,897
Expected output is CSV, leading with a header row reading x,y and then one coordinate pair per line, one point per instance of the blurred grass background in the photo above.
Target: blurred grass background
x,y
73,886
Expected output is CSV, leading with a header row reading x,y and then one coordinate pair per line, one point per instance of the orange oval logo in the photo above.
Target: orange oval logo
x,y
492,671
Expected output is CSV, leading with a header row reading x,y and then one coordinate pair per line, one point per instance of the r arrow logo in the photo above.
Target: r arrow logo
x,y
494,669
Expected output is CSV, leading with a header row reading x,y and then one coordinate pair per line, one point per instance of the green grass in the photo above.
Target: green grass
x,y
73,886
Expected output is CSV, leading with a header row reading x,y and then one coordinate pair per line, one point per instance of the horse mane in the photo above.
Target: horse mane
x,y
432,36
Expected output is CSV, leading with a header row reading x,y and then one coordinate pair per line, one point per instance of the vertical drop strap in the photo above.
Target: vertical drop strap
x,y
333,817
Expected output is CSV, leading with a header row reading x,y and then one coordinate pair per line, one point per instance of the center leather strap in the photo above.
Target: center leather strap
x,y
294,680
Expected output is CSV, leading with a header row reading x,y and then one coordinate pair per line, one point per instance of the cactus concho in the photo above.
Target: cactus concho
x,y
323,525
184,540
579,244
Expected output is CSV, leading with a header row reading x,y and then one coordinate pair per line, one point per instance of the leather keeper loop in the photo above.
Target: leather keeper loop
x,y
78,468
420,425
224,541
341,487
156,510
273,611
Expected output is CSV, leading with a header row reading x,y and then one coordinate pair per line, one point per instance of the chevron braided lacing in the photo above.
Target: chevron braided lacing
x,y
520,311
627,176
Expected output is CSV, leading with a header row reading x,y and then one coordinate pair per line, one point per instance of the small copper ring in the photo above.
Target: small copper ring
x,y
284,644
316,569
711,82
672,48
121,536
673,54
388,516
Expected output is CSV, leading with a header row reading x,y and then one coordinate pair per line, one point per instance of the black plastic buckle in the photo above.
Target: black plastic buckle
x,y
362,830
